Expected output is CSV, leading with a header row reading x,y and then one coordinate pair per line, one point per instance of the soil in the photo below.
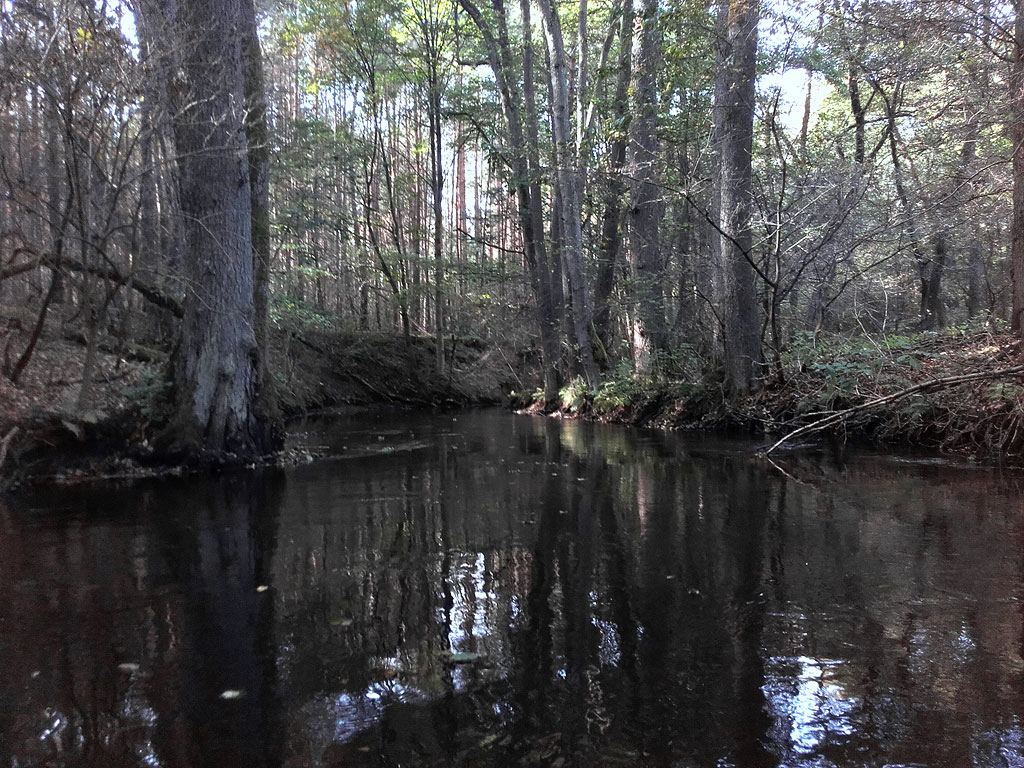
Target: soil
x,y
52,438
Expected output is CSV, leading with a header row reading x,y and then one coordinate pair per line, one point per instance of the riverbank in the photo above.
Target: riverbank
x,y
48,429
956,391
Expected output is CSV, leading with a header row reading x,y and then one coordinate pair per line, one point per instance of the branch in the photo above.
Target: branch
x,y
5,444
154,294
925,386
12,270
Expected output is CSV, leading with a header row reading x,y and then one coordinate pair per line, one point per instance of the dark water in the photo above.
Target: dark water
x,y
483,589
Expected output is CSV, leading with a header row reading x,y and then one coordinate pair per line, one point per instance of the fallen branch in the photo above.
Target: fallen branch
x,y
5,445
926,386
129,350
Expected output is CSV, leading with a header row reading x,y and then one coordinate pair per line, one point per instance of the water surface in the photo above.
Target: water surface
x,y
486,589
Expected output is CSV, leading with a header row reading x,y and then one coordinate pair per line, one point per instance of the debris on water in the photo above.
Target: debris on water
x,y
231,693
128,666
461,657
262,588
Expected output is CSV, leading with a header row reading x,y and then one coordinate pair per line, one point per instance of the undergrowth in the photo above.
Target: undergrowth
x,y
822,374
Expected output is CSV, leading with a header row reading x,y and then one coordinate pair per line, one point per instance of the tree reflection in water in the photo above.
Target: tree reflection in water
x,y
483,589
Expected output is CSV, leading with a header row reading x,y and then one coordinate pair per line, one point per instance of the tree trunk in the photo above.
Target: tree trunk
x,y
1017,222
257,135
217,367
526,185
436,189
933,310
645,206
859,119
546,275
611,218
740,339
571,212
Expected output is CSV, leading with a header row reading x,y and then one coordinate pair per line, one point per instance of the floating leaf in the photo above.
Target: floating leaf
x,y
464,657
231,694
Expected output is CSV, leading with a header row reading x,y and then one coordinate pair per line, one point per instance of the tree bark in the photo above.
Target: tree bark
x,y
859,118
525,184
217,368
740,339
1017,222
611,218
645,207
546,276
571,212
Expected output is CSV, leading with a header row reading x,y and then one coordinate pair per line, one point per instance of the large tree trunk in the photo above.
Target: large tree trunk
x,y
1017,222
645,208
257,134
546,276
740,339
611,218
217,367
571,211
933,308
436,191
526,184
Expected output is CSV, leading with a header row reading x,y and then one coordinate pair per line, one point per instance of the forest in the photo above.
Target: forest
x,y
261,259
755,210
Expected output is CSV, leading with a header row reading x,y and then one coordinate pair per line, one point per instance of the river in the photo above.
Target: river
x,y
484,589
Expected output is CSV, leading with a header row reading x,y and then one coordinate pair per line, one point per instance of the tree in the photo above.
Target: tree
x,y
217,369
1017,123
733,138
645,207
570,210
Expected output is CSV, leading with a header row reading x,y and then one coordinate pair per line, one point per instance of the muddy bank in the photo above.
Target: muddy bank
x,y
49,431
315,369
956,392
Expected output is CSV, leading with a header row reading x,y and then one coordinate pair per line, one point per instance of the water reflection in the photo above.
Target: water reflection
x,y
483,589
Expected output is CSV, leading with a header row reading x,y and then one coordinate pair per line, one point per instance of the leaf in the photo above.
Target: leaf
x,y
464,657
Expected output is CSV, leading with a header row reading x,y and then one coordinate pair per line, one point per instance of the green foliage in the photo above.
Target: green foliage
x,y
573,396
150,395
284,311
627,388
852,367
1002,392
620,390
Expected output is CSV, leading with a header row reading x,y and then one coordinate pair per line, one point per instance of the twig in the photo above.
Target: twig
x,y
925,386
